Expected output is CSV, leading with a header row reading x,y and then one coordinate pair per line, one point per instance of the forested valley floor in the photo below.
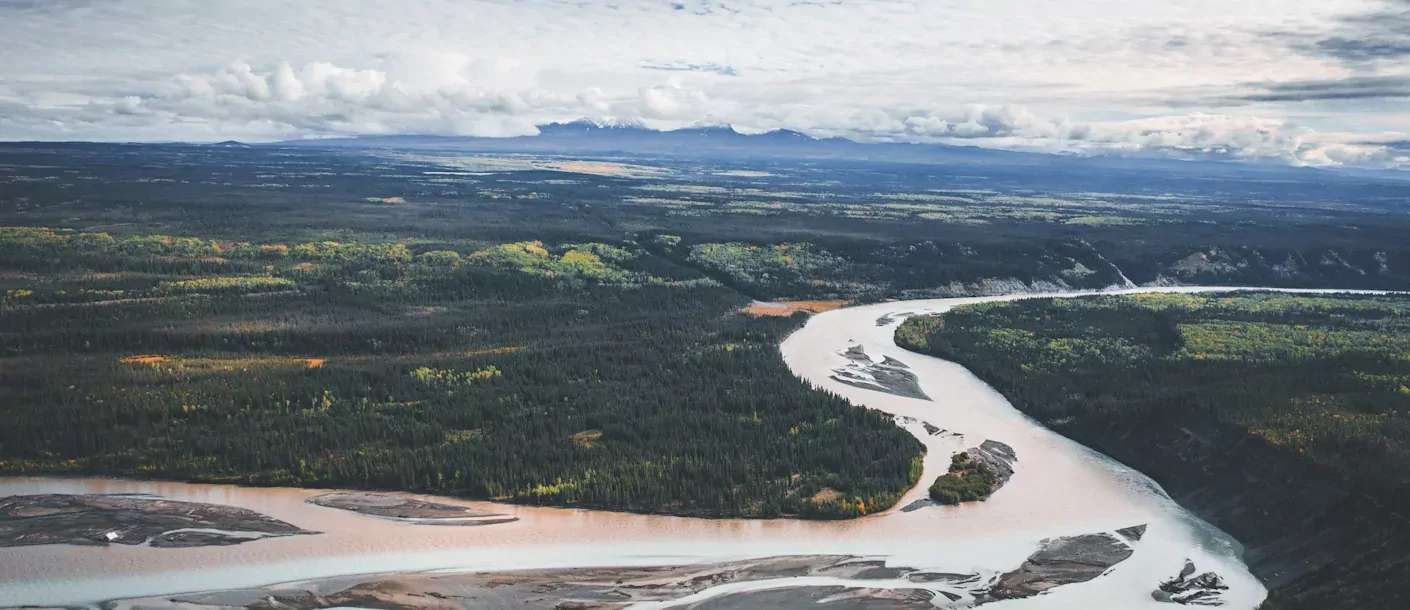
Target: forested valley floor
x,y
1283,419
582,374
492,327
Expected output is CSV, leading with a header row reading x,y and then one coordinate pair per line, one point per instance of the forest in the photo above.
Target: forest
x,y
580,374
1302,401
495,326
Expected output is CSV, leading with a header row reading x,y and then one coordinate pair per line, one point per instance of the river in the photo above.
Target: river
x,y
1059,488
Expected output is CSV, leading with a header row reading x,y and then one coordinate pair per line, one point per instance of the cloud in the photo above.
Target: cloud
x,y
1197,136
689,67
1093,76
1380,34
1351,88
1237,137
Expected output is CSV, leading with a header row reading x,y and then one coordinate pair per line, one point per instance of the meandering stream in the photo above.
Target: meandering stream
x,y
1059,488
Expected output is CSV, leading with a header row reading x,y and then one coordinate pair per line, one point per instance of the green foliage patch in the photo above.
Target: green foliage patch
x,y
436,368
1320,376
1318,385
968,480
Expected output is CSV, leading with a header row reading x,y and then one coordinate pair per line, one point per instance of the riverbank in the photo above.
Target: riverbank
x,y
796,581
1312,542
1239,417
1058,489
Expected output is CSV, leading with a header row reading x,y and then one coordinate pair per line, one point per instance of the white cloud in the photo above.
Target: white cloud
x,y
1029,74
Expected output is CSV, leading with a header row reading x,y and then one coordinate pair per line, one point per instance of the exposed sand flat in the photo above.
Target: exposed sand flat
x,y
404,508
101,520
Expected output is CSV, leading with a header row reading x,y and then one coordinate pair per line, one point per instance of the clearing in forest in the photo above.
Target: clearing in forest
x,y
787,308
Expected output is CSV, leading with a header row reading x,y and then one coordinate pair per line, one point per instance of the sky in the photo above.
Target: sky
x,y
1297,82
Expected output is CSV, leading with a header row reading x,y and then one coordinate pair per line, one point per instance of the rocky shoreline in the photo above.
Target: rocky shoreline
x,y
999,457
1191,590
1313,544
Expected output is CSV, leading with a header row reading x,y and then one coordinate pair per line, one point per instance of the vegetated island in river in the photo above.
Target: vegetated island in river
x,y
974,474
869,583
1282,419
97,520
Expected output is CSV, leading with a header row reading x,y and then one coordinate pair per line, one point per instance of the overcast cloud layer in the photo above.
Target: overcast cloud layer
x,y
1300,82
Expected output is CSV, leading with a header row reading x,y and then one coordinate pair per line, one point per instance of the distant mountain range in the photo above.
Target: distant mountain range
x,y
587,137
724,144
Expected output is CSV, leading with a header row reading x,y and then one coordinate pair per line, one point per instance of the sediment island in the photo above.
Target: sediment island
x,y
98,520
409,510
805,581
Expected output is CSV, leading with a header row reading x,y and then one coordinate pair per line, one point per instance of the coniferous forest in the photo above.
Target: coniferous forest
x,y
1283,419
482,326
581,374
